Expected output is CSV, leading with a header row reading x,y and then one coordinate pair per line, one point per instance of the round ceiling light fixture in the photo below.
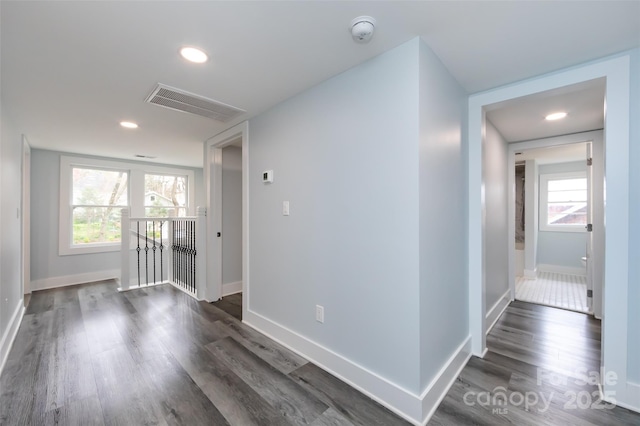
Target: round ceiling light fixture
x,y
556,116
193,54
362,28
129,124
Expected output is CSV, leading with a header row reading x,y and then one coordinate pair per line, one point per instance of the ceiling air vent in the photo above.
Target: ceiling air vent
x,y
180,100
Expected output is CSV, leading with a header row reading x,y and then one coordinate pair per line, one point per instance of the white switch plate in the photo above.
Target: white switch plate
x,y
320,313
285,208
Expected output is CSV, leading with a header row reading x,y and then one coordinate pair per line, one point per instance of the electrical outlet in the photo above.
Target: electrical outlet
x,y
320,313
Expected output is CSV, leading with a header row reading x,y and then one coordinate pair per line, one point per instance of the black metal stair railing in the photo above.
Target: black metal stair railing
x,y
184,252
163,250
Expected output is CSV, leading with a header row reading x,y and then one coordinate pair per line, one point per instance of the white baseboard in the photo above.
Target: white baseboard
x,y
10,333
530,274
231,288
496,310
439,386
414,408
631,400
66,280
559,269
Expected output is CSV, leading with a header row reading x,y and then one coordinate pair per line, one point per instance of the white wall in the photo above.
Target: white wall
x,y
634,224
495,180
371,163
231,215
48,268
443,286
11,298
563,249
344,153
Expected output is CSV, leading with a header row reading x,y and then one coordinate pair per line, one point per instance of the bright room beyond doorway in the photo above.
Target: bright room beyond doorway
x,y
554,289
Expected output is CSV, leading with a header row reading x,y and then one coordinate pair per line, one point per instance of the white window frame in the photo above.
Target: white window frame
x,y
543,209
135,192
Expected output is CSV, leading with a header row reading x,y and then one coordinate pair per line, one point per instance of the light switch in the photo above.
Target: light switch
x,y
285,208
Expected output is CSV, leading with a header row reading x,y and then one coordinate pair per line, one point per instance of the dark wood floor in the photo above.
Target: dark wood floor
x,y
88,355
231,304
538,354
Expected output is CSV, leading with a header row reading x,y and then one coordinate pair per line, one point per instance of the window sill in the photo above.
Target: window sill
x,y
88,249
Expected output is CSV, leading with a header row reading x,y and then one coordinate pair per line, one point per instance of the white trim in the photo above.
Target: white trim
x,y
435,392
213,192
25,218
559,269
497,309
530,275
67,280
231,288
133,285
10,333
632,395
414,408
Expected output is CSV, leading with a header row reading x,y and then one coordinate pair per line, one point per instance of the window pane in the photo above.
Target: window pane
x,y
157,211
567,214
163,193
96,225
567,184
559,196
99,187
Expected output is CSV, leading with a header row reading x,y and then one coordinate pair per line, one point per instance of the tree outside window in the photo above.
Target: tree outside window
x,y
165,195
98,196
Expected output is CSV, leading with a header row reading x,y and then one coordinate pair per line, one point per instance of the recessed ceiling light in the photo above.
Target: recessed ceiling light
x,y
129,124
193,54
556,116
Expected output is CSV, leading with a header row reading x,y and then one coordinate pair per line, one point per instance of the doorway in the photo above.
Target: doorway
x,y
615,310
227,194
25,220
553,182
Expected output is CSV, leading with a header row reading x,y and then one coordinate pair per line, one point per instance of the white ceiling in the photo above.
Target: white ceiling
x,y
524,118
70,71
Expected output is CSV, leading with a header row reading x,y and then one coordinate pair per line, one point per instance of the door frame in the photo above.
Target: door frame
x,y
213,189
616,70
25,218
596,203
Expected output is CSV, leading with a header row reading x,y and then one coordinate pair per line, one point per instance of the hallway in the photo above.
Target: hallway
x,y
534,374
89,355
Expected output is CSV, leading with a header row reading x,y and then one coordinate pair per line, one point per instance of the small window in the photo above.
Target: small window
x,y
165,195
98,196
563,202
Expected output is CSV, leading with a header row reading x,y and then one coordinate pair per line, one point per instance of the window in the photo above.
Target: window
x,y
165,195
97,197
93,192
563,202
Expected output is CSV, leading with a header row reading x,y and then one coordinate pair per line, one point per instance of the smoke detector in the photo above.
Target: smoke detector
x,y
362,28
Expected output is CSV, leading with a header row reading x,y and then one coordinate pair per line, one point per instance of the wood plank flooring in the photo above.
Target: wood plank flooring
x,y
536,372
231,304
88,355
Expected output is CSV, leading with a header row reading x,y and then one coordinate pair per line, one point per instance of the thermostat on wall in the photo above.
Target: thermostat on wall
x,y
267,176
